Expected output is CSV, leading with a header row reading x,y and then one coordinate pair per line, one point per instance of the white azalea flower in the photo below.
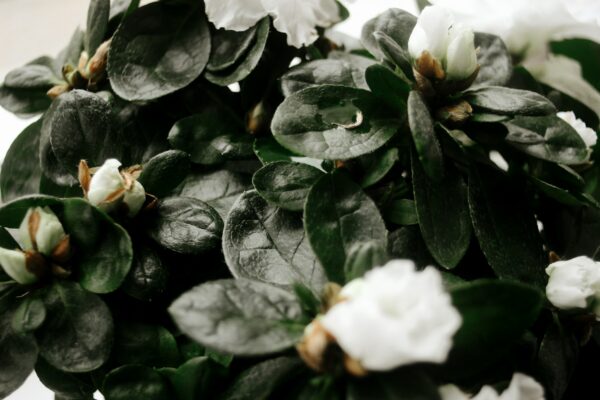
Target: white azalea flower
x,y
109,188
587,134
296,18
450,44
522,387
394,316
574,283
41,230
13,262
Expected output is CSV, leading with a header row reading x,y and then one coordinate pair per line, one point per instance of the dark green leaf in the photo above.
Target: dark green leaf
x,y
363,257
286,184
395,23
396,54
243,68
268,244
195,378
164,172
557,359
97,24
549,138
494,60
495,315
185,225
507,101
211,137
148,276
376,166
404,384
407,243
426,142
78,332
506,228
29,315
337,216
240,317
151,345
21,172
268,150
136,382
443,214
333,122
65,384
260,381
228,47
158,49
388,86
402,212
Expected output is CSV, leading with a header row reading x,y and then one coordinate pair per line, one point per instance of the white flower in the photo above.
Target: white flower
x,y
522,387
109,187
394,316
573,283
450,44
296,18
14,264
587,134
41,230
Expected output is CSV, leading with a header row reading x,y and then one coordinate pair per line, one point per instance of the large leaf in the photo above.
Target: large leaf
x,y
240,317
443,214
211,137
268,244
333,122
337,216
395,23
549,138
77,335
286,184
494,60
185,225
427,145
21,172
506,228
158,49
495,315
136,382
507,101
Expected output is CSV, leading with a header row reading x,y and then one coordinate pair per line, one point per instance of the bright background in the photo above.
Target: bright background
x,y
31,28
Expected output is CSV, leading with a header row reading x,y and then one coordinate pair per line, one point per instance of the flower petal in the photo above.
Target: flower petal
x,y
235,15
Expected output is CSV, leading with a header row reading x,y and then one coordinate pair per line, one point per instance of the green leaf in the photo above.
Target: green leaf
x,y
158,49
342,72
239,317
407,243
337,216
388,86
211,137
402,212
443,214
362,258
507,101
151,345
228,47
561,195
195,378
220,189
21,172
245,66
426,142
333,122
136,382
405,384
495,62
78,332
396,55
185,225
148,277
495,315
65,384
29,315
268,244
163,172
97,24
395,23
77,126
286,184
376,166
549,138
584,51
260,381
506,228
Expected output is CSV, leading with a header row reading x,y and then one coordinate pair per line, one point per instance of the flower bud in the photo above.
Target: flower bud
x,y
14,263
41,231
430,33
461,56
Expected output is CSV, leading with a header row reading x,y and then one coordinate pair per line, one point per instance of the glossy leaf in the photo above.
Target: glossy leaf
x,y
427,145
507,101
163,172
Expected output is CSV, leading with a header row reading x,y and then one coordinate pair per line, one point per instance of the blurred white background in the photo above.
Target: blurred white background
x,y
31,28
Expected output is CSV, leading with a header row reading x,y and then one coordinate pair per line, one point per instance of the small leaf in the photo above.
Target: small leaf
x,y
148,277
402,212
407,243
426,142
388,86
164,172
136,382
286,184
194,379
240,317
185,225
29,315
495,62
97,24
503,100
337,216
228,47
147,344
66,384
333,122
395,23
376,166
395,54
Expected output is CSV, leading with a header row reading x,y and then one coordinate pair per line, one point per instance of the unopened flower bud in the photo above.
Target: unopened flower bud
x,y
57,90
97,64
314,344
14,264
461,57
41,230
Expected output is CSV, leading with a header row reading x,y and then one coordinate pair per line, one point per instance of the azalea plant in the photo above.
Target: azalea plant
x,y
221,200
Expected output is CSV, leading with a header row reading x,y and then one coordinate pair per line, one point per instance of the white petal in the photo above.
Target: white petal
x,y
435,23
452,392
104,183
50,231
461,58
13,263
587,134
135,198
572,282
235,15
523,387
